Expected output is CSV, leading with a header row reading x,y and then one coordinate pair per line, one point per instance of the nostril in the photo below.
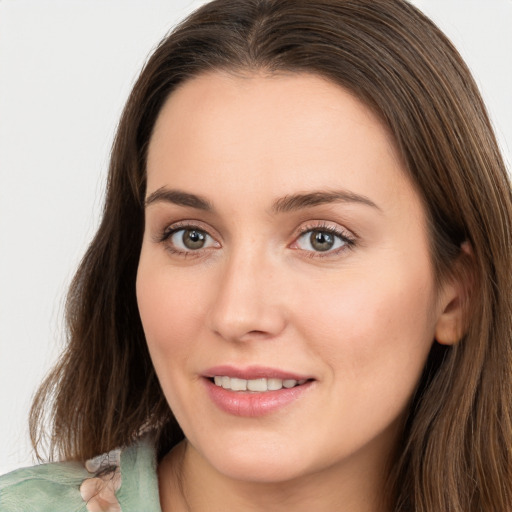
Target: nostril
x,y
257,333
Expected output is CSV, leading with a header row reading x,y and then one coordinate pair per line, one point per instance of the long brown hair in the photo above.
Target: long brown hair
x,y
456,450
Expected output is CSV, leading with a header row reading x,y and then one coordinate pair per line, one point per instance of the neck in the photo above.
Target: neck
x,y
188,483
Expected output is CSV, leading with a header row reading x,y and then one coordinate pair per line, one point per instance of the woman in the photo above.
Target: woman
x,y
305,255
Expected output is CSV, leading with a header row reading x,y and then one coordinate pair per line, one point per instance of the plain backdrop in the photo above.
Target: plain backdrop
x,y
66,68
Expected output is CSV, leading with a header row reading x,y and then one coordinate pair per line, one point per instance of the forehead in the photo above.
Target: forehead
x,y
267,134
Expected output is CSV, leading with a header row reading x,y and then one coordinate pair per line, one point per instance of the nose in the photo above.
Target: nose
x,y
249,302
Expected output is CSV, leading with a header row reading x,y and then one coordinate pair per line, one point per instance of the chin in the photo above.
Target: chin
x,y
263,471
270,461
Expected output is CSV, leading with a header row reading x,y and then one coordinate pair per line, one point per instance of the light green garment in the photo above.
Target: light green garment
x,y
55,487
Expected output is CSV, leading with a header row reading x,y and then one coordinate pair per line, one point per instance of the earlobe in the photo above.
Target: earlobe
x,y
452,320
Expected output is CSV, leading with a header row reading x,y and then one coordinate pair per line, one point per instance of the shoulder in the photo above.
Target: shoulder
x,y
121,480
47,487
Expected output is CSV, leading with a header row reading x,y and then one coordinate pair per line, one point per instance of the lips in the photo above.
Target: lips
x,y
254,391
258,385
253,372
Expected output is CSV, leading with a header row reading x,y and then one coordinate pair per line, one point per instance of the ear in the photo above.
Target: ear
x,y
454,299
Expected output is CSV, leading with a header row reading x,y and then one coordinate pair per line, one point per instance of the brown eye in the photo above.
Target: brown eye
x,y
189,239
193,239
321,240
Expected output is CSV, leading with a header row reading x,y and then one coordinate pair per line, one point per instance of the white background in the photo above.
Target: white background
x,y
66,68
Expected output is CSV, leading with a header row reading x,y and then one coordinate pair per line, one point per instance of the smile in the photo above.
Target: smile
x,y
257,385
255,391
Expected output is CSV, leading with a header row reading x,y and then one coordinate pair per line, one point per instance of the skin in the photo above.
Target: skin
x,y
360,319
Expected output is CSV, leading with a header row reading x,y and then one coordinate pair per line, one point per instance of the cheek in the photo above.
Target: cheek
x,y
375,331
170,311
374,337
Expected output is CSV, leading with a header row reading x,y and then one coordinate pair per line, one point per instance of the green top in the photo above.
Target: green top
x,y
123,480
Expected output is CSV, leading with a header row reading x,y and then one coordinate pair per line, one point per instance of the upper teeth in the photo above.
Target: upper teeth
x,y
260,385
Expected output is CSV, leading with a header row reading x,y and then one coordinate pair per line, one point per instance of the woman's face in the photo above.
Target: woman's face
x,y
284,246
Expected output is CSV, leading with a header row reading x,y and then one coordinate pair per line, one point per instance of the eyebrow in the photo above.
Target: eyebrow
x,y
301,201
284,204
179,198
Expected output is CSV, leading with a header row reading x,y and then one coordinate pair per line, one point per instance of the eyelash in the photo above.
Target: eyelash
x,y
169,231
349,241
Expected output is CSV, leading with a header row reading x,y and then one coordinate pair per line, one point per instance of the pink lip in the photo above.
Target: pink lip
x,y
249,403
252,372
